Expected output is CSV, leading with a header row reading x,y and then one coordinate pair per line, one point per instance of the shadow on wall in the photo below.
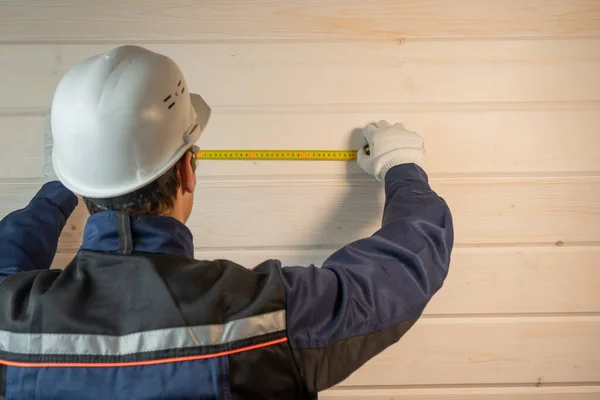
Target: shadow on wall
x,y
359,210
356,213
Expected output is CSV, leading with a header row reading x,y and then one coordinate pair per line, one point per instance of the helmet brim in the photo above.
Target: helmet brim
x,y
202,111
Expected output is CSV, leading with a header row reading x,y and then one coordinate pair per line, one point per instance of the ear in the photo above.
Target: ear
x,y
187,174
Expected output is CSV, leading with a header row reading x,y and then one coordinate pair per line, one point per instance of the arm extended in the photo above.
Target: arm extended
x,y
370,293
29,237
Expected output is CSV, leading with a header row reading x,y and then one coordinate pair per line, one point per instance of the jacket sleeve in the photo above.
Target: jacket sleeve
x,y
29,237
369,293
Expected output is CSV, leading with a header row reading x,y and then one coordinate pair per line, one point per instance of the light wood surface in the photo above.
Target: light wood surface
x,y
181,20
331,213
369,74
498,142
489,351
534,392
505,93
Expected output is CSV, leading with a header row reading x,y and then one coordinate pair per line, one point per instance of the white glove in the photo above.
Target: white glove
x,y
390,146
49,173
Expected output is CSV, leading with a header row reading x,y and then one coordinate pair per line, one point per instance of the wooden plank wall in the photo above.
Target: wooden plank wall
x,y
505,93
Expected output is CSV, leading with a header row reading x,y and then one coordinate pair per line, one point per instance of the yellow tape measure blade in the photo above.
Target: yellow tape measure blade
x,y
298,155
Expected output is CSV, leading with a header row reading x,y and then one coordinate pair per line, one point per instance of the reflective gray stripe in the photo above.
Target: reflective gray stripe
x,y
162,339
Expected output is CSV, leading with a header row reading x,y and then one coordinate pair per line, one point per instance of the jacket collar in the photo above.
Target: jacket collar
x,y
114,232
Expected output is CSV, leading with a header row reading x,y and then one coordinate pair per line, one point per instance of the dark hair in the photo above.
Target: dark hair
x,y
153,199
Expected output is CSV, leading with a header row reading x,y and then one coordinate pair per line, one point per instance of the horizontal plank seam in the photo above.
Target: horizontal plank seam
x,y
311,249
360,178
364,108
333,248
456,245
513,315
301,39
536,384
560,243
512,319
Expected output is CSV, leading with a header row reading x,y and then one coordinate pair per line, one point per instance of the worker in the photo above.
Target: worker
x,y
135,316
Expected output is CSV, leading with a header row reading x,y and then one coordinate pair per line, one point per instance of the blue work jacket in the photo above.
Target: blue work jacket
x,y
135,316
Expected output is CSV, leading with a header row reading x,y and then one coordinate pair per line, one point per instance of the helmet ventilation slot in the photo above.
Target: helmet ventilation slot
x,y
167,99
176,94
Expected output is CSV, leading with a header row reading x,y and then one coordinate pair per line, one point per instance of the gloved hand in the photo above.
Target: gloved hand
x,y
390,146
49,173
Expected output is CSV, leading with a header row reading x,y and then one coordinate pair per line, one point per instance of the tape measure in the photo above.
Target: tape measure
x,y
298,155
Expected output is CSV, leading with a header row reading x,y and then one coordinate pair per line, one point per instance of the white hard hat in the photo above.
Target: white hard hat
x,y
120,120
